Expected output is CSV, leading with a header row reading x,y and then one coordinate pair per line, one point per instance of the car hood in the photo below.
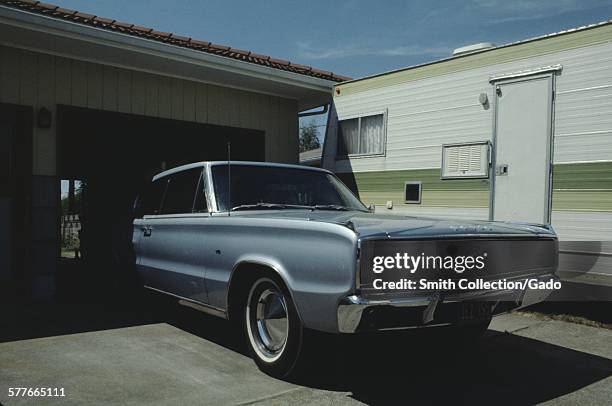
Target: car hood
x,y
395,226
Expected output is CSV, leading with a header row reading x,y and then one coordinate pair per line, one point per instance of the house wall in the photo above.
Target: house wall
x,y
40,80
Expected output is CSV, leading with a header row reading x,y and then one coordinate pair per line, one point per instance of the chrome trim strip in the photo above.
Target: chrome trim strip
x,y
203,307
413,327
544,235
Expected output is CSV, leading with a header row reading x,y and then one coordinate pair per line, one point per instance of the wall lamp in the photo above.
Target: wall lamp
x,y
44,118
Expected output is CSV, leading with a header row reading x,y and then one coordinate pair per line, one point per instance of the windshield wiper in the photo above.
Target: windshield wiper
x,y
330,207
268,206
280,206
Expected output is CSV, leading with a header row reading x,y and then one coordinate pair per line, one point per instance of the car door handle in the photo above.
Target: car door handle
x,y
146,231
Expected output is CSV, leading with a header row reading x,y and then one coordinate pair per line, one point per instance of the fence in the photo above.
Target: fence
x,y
70,225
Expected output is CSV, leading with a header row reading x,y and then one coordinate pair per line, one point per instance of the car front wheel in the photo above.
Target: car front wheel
x,y
273,329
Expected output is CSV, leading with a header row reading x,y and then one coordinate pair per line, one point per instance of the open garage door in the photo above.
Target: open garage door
x,y
15,193
98,143
113,155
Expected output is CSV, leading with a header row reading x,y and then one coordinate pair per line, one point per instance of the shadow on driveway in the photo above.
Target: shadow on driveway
x,y
426,368
389,368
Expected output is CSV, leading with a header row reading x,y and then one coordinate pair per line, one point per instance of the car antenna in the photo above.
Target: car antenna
x,y
229,180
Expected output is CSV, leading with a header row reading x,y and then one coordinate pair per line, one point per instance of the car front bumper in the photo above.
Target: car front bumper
x,y
429,309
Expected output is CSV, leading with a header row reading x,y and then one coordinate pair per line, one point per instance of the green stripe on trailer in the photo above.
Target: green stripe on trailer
x,y
582,186
392,180
593,175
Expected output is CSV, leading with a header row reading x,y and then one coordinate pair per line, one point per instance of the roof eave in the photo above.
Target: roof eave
x,y
64,38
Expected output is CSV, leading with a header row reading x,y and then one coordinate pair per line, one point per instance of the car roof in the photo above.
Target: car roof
x,y
248,163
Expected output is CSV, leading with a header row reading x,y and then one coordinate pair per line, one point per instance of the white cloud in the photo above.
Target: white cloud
x,y
524,10
307,51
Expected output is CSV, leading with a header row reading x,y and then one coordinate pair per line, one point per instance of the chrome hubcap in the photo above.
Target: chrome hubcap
x,y
269,323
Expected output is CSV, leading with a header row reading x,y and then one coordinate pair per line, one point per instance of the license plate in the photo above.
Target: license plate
x,y
474,311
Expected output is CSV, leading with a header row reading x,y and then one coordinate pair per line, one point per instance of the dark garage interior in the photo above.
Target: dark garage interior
x,y
114,155
15,195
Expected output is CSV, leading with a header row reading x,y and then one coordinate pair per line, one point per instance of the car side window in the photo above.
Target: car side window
x,y
149,202
181,192
200,205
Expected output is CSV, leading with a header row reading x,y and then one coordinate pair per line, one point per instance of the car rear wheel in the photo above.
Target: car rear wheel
x,y
273,329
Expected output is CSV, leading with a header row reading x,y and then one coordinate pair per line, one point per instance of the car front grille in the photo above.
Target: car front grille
x,y
504,258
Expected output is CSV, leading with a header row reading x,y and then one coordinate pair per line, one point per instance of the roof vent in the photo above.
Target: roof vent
x,y
468,49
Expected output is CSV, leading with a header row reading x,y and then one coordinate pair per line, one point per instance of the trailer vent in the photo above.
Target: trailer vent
x,y
412,192
469,160
473,48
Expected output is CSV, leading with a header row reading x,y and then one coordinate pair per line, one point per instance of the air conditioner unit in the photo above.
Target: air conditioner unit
x,y
468,160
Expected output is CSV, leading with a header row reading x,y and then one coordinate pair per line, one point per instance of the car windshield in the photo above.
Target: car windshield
x,y
266,187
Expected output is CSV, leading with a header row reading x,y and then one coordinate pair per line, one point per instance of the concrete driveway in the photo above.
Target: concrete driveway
x,y
189,358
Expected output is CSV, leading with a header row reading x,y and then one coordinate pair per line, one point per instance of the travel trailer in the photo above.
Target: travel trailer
x,y
519,132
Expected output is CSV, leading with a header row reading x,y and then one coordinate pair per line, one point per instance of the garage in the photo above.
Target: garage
x,y
112,161
104,105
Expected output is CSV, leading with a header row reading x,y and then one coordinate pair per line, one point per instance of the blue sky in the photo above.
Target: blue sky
x,y
353,38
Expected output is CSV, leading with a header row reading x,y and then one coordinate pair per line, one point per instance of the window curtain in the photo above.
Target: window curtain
x,y
349,137
372,135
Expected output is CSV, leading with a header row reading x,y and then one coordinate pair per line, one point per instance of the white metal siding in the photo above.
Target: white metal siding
x,y
424,114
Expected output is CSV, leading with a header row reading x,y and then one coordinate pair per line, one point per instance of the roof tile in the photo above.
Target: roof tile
x,y
217,47
105,21
84,16
180,38
259,56
301,67
279,61
161,34
239,51
121,24
46,6
197,42
321,72
141,29
65,11
341,78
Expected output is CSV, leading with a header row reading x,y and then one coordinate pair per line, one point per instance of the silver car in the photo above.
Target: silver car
x,y
283,248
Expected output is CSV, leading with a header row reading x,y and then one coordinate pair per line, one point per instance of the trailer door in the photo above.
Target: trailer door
x,y
522,156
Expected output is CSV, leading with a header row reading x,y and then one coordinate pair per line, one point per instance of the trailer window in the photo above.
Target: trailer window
x,y
362,135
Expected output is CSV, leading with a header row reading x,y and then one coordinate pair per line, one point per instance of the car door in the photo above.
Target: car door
x,y
175,238
147,206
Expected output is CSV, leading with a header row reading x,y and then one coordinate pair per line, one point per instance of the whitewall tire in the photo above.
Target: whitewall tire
x,y
272,326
